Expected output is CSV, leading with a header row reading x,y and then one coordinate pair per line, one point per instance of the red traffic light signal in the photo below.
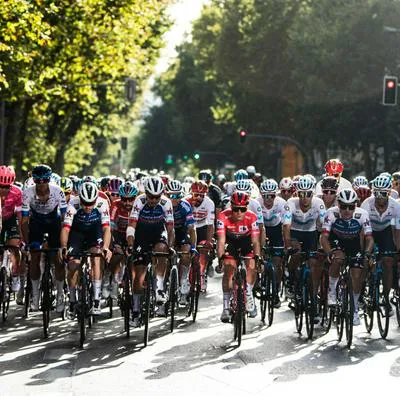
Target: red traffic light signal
x,y
242,135
390,85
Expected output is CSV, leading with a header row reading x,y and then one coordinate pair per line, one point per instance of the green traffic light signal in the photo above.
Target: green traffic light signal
x,y
185,157
196,156
169,160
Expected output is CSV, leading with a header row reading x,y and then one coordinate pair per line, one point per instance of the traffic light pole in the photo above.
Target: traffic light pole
x,y
288,139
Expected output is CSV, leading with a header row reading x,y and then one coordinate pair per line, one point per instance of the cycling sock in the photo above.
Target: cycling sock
x,y
72,294
60,287
35,287
249,289
356,297
97,289
227,300
332,283
160,282
135,302
184,273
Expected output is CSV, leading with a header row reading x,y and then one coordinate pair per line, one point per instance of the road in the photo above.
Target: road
x,y
197,358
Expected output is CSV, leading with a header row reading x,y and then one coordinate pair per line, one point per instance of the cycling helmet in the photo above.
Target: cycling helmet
x,y
251,171
7,175
28,183
174,187
165,179
153,185
189,180
329,183
205,175
114,184
104,182
295,181
90,179
240,174
55,179
66,185
363,192
347,196
314,180
334,167
128,190
305,184
221,178
239,198
396,176
360,181
269,186
244,186
382,182
42,173
286,184
88,192
199,187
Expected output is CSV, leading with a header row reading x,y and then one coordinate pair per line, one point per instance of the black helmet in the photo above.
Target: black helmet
x,y
104,181
329,183
42,173
205,175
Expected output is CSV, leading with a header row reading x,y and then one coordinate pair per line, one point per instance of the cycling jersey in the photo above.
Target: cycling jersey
x,y
12,202
238,234
215,194
183,215
381,221
204,214
279,213
119,216
306,221
32,206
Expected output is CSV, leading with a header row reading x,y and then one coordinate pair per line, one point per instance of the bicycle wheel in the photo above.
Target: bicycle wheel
x,y
323,300
382,307
298,307
309,304
349,311
46,289
239,314
173,291
196,291
264,295
147,303
369,302
28,292
396,302
82,312
126,303
3,291
271,292
339,311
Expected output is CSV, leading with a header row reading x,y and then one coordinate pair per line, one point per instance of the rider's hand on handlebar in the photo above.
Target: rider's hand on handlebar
x,y
107,254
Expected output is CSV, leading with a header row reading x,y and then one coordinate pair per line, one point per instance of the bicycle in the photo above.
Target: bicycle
x,y
172,290
373,297
5,280
396,291
195,286
266,279
125,298
110,302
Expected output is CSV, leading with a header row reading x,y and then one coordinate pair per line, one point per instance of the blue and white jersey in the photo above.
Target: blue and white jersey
x,y
279,213
183,215
391,216
346,229
306,221
32,206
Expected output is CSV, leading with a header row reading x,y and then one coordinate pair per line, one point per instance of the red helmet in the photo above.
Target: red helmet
x,y
363,193
165,179
239,198
334,167
7,175
199,187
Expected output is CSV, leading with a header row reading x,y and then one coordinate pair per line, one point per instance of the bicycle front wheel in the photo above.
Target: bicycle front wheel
x,y
271,294
339,311
309,305
349,311
382,308
173,298
82,314
147,303
369,302
46,290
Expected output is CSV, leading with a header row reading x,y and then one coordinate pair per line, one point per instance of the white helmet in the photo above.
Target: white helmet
x,y
251,170
28,183
243,186
269,186
189,179
154,185
360,181
305,183
347,196
174,187
88,192
286,183
314,180
382,182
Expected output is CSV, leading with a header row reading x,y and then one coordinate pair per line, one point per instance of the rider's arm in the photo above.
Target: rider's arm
x,y
210,233
286,235
171,234
221,235
64,237
369,244
192,235
130,232
324,241
106,236
263,236
255,240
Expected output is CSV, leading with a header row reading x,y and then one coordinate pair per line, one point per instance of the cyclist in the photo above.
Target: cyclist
x,y
237,229
43,207
11,203
119,216
393,193
86,226
396,182
346,231
334,167
150,227
286,188
185,234
329,187
277,219
204,214
308,212
361,187
384,214
66,186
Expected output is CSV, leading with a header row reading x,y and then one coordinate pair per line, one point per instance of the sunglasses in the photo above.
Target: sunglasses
x,y
114,194
335,175
305,194
153,197
67,193
347,207
127,199
286,191
239,209
41,181
175,196
331,192
197,195
87,204
381,194
5,187
269,196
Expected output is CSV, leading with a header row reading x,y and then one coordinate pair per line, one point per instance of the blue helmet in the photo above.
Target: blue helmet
x,y
42,172
127,190
240,174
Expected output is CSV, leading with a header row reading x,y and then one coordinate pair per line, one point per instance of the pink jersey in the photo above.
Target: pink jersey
x,y
12,202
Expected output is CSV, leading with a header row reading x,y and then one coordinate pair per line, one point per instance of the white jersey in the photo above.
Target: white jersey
x,y
394,194
306,221
391,216
31,202
205,213
279,213
255,207
229,188
343,183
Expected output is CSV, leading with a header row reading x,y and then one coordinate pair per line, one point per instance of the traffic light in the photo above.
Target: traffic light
x,y
169,160
130,89
196,156
390,85
242,135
